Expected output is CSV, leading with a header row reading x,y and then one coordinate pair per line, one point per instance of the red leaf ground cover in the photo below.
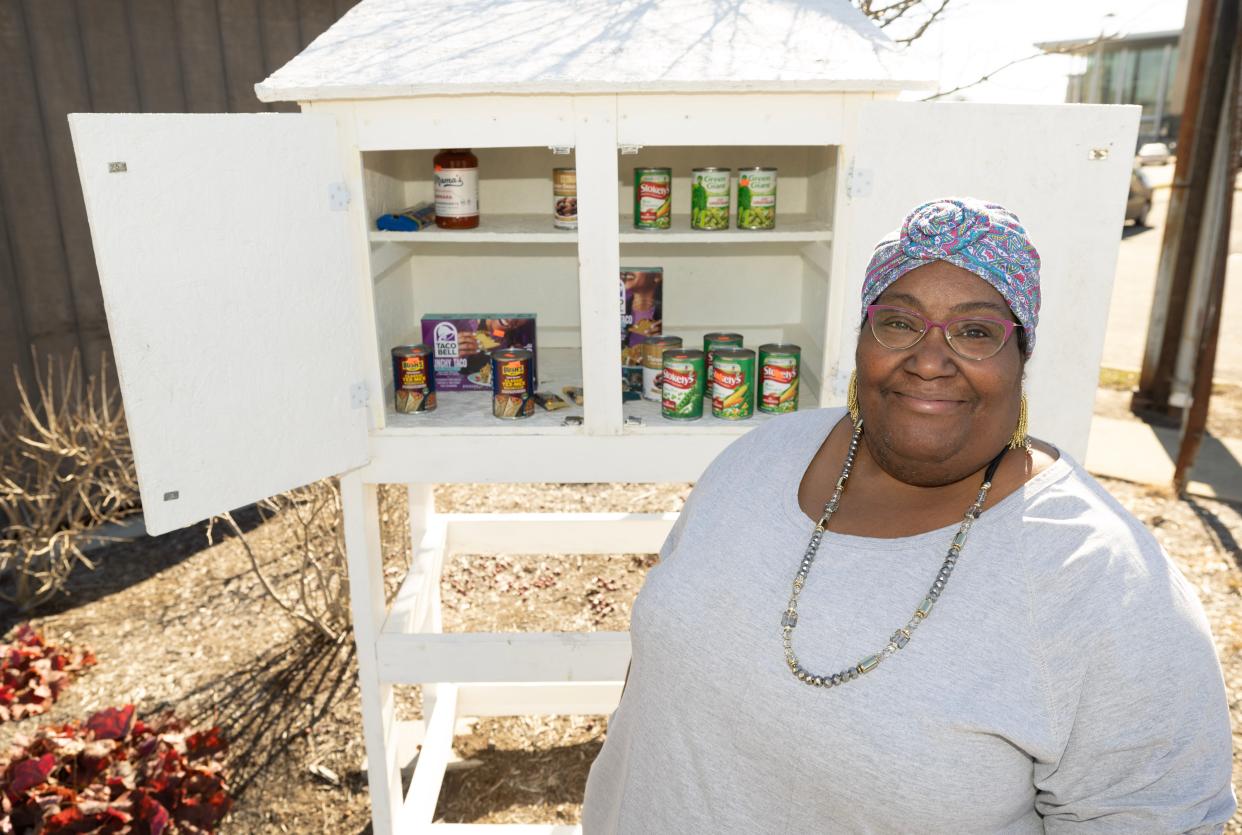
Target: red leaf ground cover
x,y
33,672
114,775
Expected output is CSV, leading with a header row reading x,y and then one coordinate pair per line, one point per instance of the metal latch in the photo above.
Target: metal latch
x,y
338,197
630,150
858,182
117,168
172,495
1096,154
633,420
561,150
358,395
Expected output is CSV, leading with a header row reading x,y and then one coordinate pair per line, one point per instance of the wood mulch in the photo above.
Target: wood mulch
x,y
179,625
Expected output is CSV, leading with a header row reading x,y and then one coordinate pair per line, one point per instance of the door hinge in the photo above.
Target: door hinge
x,y
858,182
630,150
561,150
338,197
359,396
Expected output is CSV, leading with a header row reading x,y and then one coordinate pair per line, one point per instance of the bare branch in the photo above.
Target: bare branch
x,y
988,77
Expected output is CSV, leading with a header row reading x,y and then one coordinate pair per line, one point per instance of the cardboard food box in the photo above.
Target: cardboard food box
x,y
461,343
642,315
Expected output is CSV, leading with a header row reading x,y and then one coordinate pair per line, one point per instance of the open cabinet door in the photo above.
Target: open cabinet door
x,y
1064,170
225,260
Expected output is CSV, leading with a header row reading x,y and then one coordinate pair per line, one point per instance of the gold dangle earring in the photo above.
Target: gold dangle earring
x,y
1020,439
851,398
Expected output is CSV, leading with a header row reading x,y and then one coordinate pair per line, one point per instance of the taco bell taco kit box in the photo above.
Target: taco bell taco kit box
x,y
462,343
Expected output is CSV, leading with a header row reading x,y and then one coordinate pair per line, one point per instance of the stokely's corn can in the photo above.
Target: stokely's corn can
x,y
653,365
682,390
733,383
653,198
779,375
711,342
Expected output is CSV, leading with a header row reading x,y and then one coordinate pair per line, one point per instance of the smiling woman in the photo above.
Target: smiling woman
x,y
1067,679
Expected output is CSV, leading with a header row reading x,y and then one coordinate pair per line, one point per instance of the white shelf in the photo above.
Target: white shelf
x,y
498,229
470,412
789,227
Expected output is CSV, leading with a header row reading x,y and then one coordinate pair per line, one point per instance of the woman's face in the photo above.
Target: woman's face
x,y
931,416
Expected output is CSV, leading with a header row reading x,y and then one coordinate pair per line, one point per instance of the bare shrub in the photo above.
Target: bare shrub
x,y
318,593
66,467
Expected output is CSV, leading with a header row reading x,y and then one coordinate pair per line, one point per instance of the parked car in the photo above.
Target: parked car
x,y
1153,153
1138,203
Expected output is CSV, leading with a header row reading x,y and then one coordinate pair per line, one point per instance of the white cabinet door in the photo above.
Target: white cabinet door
x,y
224,256
1063,169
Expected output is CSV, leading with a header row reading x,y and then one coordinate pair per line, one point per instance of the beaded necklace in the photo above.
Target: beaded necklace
x,y
901,637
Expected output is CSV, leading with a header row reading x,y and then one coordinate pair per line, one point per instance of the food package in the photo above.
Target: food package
x,y
642,315
462,341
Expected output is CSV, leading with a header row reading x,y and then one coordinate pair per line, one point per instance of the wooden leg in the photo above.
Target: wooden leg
x,y
360,506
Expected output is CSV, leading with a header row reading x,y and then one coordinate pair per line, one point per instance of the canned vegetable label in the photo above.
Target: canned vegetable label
x,y
711,342
779,374
709,198
756,198
733,377
653,198
653,365
565,198
413,383
511,384
682,385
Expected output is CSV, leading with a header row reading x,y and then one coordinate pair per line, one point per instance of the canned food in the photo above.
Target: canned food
x,y
778,377
653,198
565,198
756,198
414,383
653,365
682,387
711,342
733,377
709,198
512,386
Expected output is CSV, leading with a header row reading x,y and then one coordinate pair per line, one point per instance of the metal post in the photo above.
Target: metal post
x,y
1220,215
1204,87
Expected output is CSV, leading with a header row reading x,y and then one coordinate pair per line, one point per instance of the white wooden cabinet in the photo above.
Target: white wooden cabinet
x,y
253,307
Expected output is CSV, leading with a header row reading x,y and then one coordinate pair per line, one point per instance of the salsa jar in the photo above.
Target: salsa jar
x,y
457,189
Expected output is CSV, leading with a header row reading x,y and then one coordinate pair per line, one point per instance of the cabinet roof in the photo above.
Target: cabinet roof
x,y
385,48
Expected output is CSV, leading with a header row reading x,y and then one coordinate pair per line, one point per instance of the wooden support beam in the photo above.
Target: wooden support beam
x,y
502,657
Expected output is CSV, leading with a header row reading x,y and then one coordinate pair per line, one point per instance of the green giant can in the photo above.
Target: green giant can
x,y
682,386
709,198
733,383
756,198
779,374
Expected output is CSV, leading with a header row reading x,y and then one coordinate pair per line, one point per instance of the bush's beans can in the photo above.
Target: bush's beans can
x,y
756,198
414,382
683,382
512,385
709,198
711,342
653,198
565,198
653,365
733,383
779,374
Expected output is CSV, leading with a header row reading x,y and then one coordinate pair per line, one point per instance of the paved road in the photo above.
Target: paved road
x,y
1135,282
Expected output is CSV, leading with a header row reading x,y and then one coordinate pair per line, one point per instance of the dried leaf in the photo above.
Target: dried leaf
x,y
112,723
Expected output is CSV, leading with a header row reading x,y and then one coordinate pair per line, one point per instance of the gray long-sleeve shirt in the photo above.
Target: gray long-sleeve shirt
x,y
1066,679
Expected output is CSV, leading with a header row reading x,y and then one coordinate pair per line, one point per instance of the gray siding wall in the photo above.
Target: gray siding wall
x,y
109,56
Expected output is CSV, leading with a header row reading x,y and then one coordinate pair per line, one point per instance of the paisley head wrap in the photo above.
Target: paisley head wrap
x,y
984,238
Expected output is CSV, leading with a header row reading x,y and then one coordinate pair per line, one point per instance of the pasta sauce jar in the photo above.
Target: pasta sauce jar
x,y
457,189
